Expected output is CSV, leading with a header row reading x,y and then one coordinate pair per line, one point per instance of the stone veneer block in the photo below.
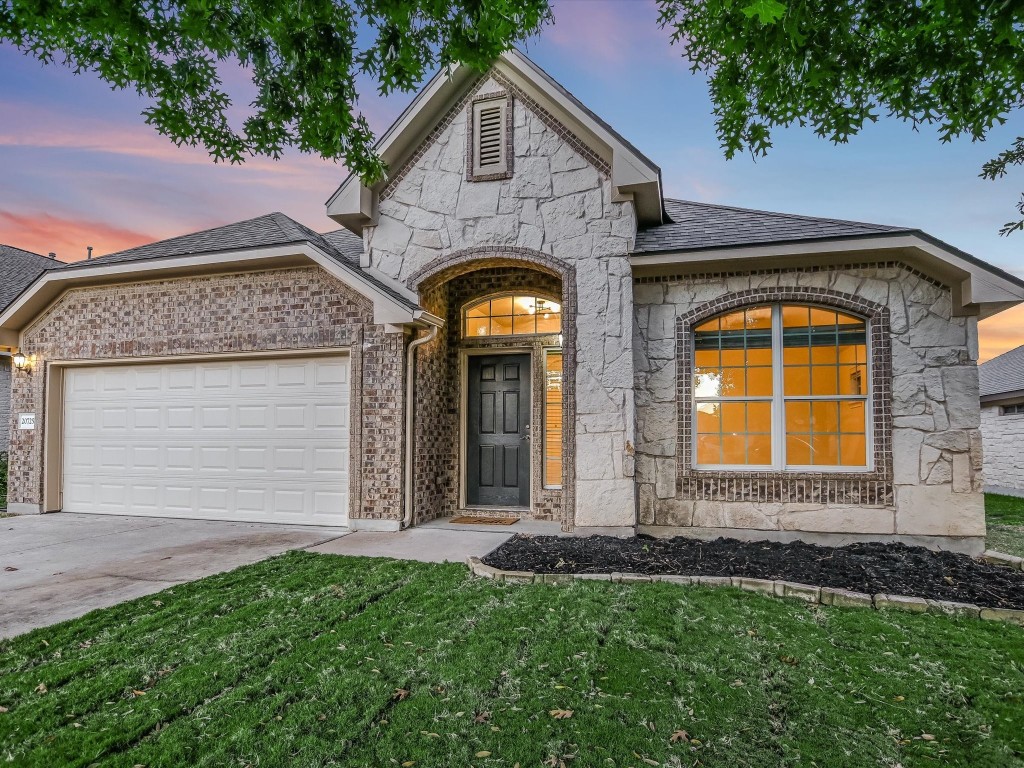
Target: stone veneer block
x,y
479,568
901,603
998,558
1003,614
713,581
950,608
845,598
633,578
763,586
519,577
804,592
673,579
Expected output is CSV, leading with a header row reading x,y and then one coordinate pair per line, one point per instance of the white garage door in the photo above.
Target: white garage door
x,y
254,440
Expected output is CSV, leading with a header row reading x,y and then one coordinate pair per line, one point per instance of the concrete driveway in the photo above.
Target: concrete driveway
x,y
61,566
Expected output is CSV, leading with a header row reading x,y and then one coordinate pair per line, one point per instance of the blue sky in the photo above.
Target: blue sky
x,y
80,167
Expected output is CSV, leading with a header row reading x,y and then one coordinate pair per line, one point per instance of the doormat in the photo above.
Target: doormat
x,y
468,520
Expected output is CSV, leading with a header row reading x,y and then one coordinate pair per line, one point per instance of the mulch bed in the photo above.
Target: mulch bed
x,y
893,569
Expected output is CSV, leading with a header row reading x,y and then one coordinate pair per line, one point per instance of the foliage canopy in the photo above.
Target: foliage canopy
x,y
835,66
304,58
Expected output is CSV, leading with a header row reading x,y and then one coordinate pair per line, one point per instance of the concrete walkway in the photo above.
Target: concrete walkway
x,y
61,566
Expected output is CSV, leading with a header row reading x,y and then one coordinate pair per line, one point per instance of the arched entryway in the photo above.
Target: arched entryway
x,y
495,404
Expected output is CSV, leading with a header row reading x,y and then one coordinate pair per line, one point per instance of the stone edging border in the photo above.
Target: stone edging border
x,y
842,598
992,557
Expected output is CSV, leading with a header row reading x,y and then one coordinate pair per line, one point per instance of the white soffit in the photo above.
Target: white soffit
x,y
634,177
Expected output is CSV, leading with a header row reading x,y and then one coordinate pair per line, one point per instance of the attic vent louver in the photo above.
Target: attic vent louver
x,y
489,145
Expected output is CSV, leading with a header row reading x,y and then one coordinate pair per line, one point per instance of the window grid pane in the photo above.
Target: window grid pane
x,y
825,385
512,315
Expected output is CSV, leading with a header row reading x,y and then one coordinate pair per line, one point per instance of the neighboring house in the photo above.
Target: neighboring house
x,y
517,321
1002,421
18,270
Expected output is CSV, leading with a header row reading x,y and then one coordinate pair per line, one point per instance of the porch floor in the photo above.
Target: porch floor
x,y
540,527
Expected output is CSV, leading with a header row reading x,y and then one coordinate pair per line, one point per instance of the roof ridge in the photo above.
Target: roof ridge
x,y
782,214
191,234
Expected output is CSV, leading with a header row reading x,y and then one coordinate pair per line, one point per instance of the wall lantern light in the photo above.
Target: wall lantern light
x,y
21,362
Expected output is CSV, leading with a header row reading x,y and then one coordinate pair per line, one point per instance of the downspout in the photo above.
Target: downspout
x,y
410,412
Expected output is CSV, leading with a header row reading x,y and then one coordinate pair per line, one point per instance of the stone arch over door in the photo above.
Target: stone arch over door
x,y
444,286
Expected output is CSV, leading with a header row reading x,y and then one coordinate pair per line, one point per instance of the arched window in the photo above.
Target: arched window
x,y
782,387
511,314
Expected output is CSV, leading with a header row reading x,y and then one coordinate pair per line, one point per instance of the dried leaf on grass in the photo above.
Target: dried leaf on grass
x,y
561,714
678,736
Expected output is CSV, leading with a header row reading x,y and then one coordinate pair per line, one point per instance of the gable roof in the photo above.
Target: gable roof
x,y
1002,375
263,231
633,175
695,226
19,269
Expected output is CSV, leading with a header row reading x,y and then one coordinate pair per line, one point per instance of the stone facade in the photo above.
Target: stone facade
x,y
288,309
558,203
926,479
5,403
1003,437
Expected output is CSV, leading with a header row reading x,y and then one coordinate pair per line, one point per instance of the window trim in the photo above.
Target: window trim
x,y
778,398
548,486
504,169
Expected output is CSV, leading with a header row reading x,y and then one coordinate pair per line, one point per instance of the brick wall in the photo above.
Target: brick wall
x,y
268,310
5,403
439,393
1003,439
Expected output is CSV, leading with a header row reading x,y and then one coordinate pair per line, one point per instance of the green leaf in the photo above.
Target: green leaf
x,y
767,11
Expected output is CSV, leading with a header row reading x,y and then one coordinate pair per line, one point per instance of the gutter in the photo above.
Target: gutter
x,y
410,413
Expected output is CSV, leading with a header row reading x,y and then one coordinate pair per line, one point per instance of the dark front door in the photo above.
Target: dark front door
x,y
498,431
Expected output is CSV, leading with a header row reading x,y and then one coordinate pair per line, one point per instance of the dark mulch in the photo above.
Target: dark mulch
x,y
888,568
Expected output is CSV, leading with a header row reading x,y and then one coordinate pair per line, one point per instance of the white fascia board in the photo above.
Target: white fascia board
x,y
975,285
54,282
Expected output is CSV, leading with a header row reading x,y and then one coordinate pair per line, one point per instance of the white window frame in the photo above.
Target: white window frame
x,y
778,400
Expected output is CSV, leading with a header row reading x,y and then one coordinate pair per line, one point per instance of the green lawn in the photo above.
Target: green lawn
x,y
1005,518
309,660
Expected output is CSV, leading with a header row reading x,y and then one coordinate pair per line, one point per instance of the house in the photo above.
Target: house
x,y
517,322
1002,422
18,270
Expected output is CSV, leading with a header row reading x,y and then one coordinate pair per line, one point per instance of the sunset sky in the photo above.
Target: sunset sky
x,y
80,167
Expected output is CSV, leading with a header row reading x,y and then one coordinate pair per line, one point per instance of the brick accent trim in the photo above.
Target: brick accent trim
x,y
445,268
874,488
510,150
519,95
469,259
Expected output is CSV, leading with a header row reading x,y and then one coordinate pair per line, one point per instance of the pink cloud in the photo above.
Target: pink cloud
x,y
68,238
607,30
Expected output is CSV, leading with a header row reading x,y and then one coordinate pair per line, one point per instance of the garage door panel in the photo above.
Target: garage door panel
x,y
260,441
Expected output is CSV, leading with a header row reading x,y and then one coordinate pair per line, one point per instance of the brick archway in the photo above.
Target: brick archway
x,y
443,285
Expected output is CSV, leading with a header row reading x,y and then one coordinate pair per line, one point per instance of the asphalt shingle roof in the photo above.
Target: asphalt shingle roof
x,y
270,229
18,270
698,226
1003,374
